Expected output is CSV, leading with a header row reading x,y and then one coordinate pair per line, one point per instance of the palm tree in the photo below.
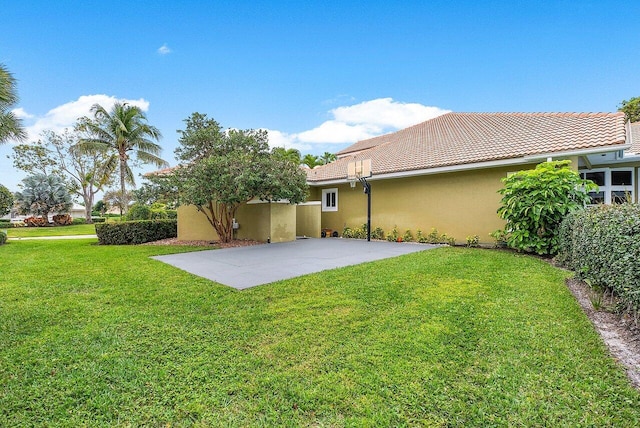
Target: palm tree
x,y
10,124
311,160
327,158
292,155
122,130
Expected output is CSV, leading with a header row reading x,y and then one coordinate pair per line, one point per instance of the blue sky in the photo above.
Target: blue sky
x,y
318,75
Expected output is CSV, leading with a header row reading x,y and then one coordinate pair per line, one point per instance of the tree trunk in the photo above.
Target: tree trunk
x,y
88,205
123,165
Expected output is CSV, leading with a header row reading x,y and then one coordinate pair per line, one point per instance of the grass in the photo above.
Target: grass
x,y
105,336
32,232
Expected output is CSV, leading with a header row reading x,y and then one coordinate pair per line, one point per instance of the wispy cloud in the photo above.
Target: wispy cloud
x,y
164,50
21,113
65,115
352,123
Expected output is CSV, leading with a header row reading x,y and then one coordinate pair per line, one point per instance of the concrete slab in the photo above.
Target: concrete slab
x,y
244,267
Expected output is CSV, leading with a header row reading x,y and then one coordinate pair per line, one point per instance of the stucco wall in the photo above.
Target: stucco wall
x,y
459,204
258,221
283,222
309,219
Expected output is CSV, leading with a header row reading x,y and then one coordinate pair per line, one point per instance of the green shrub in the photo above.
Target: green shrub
x,y
3,238
136,232
407,237
172,214
393,235
534,202
6,225
158,214
138,212
377,233
602,245
98,219
79,220
473,241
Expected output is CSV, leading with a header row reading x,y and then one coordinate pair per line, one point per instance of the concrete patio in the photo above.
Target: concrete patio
x,y
244,267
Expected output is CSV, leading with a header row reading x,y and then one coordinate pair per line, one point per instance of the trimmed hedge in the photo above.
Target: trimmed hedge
x,y
135,232
602,245
3,238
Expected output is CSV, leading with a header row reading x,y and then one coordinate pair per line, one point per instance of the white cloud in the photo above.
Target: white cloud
x,y
164,49
21,113
349,124
65,115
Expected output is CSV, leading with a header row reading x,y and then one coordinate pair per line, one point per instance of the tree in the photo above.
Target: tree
x,y
115,198
222,170
100,207
120,131
6,200
534,203
84,172
327,158
311,161
42,194
631,109
157,189
10,125
293,155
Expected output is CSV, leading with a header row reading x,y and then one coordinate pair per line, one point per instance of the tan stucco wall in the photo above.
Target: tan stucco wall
x,y
258,221
193,225
254,222
459,204
309,219
283,222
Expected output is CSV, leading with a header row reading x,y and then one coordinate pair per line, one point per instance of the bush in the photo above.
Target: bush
x,y
79,220
6,225
62,219
138,212
3,238
377,233
136,232
393,235
98,219
602,245
407,237
36,222
534,203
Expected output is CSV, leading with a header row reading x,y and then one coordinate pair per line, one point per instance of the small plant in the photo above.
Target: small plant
x,y
347,232
420,237
393,235
473,241
377,233
407,237
3,238
433,237
500,237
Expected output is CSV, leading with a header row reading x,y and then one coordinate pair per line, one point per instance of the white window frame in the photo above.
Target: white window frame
x,y
608,188
333,205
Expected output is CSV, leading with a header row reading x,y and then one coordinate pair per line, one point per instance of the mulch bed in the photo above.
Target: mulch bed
x,y
212,244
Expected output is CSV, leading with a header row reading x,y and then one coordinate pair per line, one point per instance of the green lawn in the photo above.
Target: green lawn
x,y
104,336
31,232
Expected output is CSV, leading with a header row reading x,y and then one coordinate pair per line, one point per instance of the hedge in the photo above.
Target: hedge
x,y
602,245
3,238
136,232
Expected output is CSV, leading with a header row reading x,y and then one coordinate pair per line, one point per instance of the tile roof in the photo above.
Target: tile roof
x,y
469,138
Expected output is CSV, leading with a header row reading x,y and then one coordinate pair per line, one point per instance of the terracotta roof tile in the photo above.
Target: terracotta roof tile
x,y
468,138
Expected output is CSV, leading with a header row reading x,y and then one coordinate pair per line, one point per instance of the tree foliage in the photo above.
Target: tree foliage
x,y
42,194
121,131
117,199
631,109
534,203
222,170
157,189
10,125
311,160
6,200
293,155
84,172
327,158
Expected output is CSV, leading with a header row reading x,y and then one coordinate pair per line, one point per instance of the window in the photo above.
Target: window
x,y
615,185
329,199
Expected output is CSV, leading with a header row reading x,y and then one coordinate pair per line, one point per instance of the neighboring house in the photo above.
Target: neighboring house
x,y
76,211
445,173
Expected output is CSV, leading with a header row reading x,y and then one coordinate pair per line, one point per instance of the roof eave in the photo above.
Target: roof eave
x,y
478,165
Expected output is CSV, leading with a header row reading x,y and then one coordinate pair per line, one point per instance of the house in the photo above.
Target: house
x,y
445,173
